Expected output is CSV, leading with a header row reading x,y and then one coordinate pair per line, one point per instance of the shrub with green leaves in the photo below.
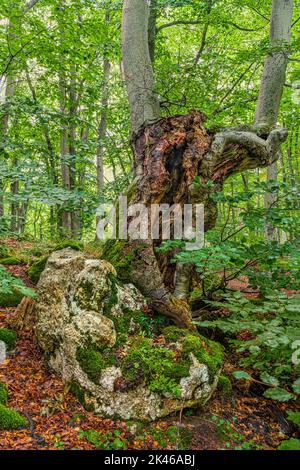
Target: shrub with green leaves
x,y
239,247
12,290
272,345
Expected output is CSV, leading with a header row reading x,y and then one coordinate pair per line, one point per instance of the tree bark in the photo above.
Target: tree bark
x,y
272,84
137,66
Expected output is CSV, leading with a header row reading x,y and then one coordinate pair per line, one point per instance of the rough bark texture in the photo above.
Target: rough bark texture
x,y
138,71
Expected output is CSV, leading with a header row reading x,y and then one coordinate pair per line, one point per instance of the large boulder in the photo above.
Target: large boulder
x,y
97,334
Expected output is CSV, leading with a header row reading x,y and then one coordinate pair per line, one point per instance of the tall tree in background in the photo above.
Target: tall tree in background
x,y
170,153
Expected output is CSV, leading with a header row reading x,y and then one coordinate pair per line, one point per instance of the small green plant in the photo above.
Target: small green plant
x,y
9,337
233,439
58,443
53,405
294,417
12,290
113,440
269,345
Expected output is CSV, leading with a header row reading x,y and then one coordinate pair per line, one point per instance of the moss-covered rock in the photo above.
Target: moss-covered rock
x,y
99,337
11,419
91,362
3,394
9,337
36,269
206,352
224,386
74,244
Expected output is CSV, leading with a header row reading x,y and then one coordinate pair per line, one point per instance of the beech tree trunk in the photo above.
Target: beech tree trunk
x,y
272,84
170,152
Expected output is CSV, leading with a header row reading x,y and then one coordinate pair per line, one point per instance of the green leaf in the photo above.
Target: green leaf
x,y
290,444
296,386
269,379
240,374
294,417
278,394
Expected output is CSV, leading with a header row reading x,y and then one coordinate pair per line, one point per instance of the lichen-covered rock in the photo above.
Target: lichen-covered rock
x,y
2,352
98,335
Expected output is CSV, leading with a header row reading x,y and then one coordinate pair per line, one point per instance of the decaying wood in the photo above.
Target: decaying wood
x,y
23,316
169,154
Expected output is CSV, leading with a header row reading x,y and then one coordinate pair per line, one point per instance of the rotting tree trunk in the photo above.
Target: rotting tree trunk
x,y
170,152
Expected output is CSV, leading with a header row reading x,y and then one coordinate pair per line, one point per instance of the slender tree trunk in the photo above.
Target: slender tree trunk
x,y
66,222
9,91
73,106
14,205
270,200
138,71
272,85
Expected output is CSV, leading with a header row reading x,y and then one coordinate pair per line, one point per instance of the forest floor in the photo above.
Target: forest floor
x,y
58,421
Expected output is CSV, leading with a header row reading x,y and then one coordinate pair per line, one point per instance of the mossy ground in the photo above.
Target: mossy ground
x,y
3,394
11,419
9,337
224,387
159,362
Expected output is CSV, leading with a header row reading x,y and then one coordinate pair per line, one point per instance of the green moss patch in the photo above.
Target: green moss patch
x,y
74,244
161,365
11,299
11,260
152,364
11,419
91,362
206,352
121,254
9,337
36,269
3,394
224,386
